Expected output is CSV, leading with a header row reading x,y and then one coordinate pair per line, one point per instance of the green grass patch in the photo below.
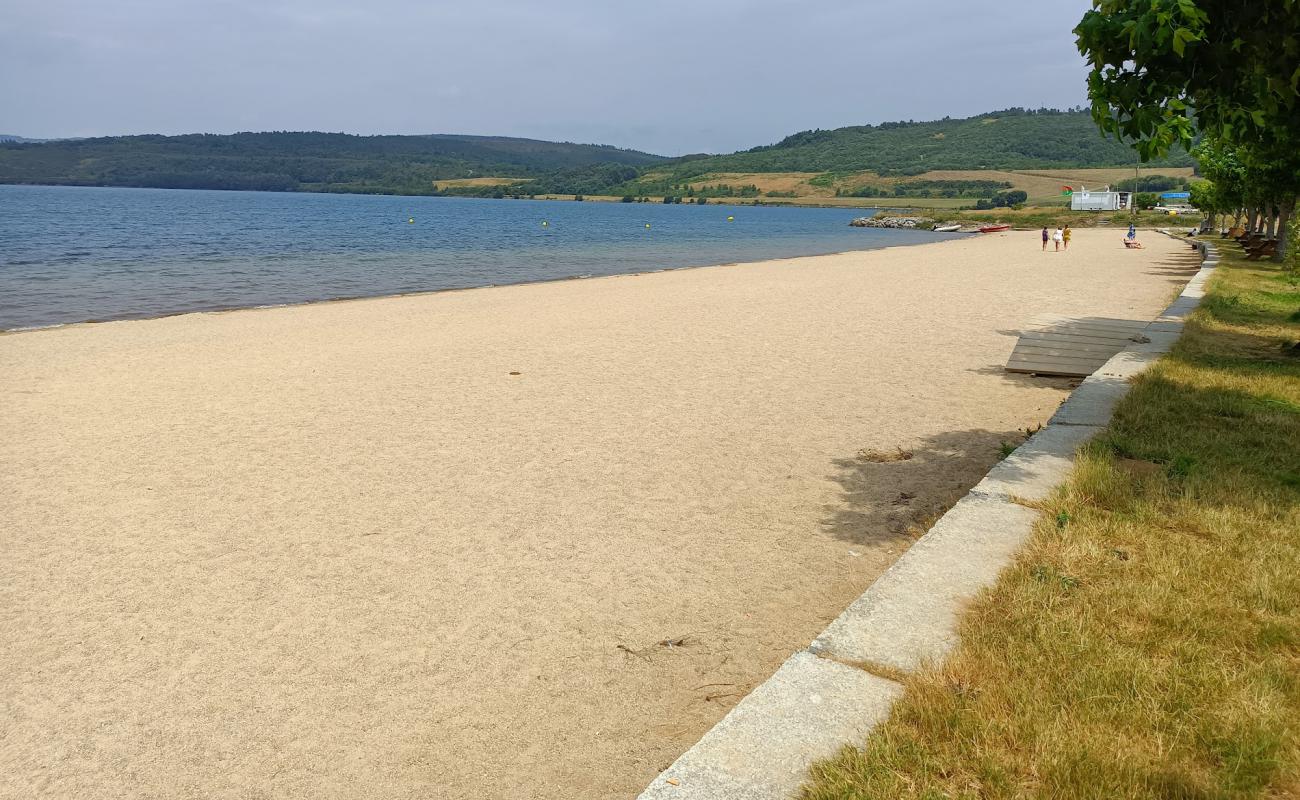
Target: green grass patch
x,y
1146,642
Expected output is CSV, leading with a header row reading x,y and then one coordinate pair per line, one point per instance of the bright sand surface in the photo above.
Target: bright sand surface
x,y
341,551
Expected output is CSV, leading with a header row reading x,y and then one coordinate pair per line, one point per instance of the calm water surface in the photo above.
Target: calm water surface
x,y
72,254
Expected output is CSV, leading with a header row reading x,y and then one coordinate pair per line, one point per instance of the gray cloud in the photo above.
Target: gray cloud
x,y
669,76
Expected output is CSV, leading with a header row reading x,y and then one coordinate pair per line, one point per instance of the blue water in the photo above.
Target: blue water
x,y
72,254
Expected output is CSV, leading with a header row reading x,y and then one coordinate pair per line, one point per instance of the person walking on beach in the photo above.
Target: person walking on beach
x,y
1065,236
1045,238
1132,232
1057,238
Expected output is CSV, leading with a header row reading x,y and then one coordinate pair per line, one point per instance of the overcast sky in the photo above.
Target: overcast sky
x,y
669,76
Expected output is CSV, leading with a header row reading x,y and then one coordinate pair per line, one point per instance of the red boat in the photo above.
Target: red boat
x,y
994,228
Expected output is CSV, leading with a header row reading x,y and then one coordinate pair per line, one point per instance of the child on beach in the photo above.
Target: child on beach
x,y
1045,238
1065,236
1057,238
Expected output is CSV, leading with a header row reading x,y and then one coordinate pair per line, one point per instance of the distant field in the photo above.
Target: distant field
x,y
1041,185
889,201
839,202
818,188
490,181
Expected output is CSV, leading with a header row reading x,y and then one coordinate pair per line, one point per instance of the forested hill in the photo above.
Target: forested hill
x,y
336,162
1011,139
283,161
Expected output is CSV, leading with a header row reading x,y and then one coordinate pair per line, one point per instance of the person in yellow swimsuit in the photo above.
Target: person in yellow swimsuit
x,y
1065,236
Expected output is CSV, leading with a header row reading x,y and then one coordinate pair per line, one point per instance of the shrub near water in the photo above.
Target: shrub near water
x,y
1147,641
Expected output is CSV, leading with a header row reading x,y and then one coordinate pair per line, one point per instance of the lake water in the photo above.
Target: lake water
x,y
72,254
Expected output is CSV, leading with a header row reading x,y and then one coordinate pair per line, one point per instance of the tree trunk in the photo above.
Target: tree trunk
x,y
1283,229
1270,215
1252,217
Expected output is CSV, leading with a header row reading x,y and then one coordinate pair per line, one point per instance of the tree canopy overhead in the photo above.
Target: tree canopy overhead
x,y
1164,70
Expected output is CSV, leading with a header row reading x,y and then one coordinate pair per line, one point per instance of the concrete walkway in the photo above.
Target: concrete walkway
x,y
822,698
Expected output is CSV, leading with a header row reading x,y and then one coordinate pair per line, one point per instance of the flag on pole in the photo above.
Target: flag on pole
x,y
1067,191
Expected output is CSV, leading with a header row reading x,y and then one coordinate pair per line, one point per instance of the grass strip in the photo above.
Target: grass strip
x,y
1146,643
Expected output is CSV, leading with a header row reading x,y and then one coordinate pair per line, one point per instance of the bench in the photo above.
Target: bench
x,y
1256,251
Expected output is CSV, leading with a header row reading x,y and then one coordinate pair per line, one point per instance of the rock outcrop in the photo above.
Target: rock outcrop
x,y
924,223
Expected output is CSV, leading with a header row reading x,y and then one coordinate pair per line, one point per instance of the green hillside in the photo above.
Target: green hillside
x,y
337,162
1012,139
283,161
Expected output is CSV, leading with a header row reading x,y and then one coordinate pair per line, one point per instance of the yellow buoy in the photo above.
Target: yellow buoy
x,y
647,224
545,223
411,220
731,219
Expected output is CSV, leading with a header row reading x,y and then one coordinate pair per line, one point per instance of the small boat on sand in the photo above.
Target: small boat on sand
x,y
946,228
994,228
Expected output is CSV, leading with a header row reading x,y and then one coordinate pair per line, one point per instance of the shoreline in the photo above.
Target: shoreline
x,y
452,289
525,542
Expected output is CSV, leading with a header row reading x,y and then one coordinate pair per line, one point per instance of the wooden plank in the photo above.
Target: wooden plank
x,y
1071,346
1083,367
1065,352
1087,330
1050,319
1017,358
1108,341
1078,356
1021,362
1041,322
1048,369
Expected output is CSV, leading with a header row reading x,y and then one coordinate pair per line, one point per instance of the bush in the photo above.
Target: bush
x,y
1146,199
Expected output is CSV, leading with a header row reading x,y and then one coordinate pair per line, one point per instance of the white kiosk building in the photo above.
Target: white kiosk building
x,y
1082,199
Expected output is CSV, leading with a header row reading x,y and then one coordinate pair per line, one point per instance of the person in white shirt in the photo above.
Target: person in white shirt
x,y
1057,238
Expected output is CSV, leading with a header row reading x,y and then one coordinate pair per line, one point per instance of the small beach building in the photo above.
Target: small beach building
x,y
1082,199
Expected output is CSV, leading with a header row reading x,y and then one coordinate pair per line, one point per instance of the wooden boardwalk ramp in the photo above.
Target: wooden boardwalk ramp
x,y
1073,347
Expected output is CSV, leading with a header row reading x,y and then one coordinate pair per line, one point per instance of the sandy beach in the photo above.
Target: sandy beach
x,y
524,542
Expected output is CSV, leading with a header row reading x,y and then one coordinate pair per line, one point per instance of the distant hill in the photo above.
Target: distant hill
x,y
1012,139
9,137
285,161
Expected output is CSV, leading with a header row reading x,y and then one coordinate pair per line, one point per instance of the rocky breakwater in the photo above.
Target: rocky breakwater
x,y
917,223
924,223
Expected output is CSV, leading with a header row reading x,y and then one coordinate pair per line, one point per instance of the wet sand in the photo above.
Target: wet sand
x,y
341,550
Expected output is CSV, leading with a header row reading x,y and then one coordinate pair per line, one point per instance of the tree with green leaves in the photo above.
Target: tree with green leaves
x,y
1162,70
1224,189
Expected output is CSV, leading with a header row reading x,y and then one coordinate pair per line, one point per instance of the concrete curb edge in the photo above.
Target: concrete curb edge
x,y
822,698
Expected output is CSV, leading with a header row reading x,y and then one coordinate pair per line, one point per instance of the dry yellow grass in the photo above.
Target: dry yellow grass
x,y
1038,184
1042,186
1146,644
486,181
